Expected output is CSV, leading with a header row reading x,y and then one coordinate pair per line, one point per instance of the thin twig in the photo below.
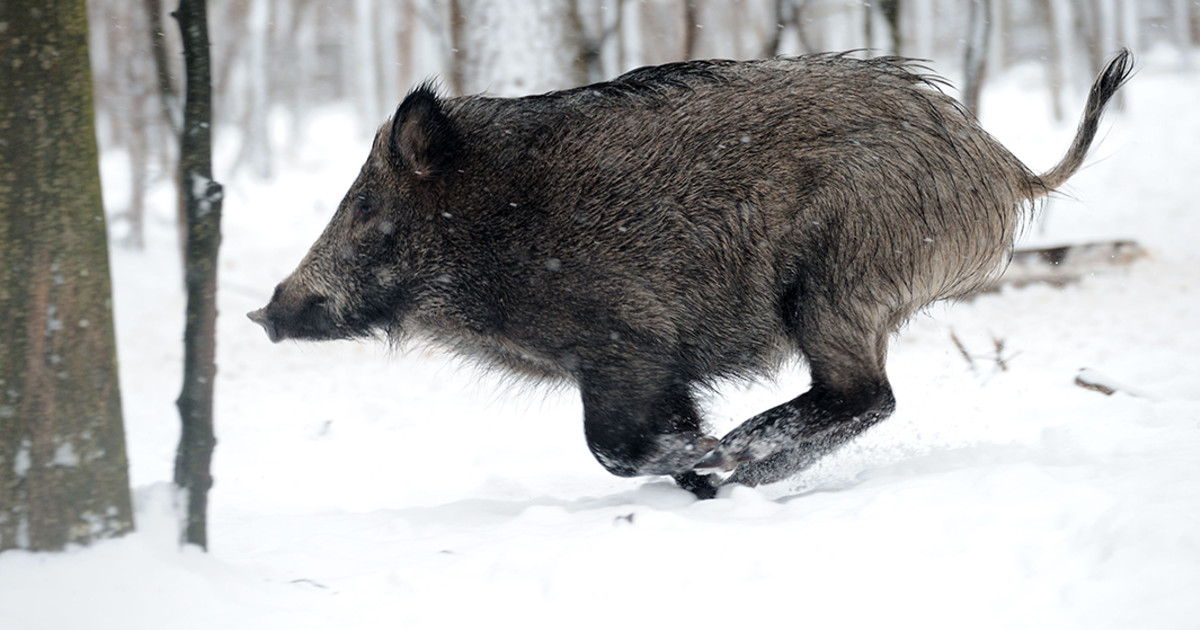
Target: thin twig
x,y
998,344
963,351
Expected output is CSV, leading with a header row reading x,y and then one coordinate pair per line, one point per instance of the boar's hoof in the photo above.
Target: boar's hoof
x,y
260,317
720,460
677,452
775,467
700,485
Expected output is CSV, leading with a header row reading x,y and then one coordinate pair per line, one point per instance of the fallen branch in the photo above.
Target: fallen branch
x,y
1086,382
1105,384
1066,264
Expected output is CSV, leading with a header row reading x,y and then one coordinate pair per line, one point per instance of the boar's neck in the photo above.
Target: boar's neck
x,y
508,148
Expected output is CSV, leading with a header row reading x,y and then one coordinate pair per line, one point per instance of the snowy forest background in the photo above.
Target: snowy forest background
x,y
358,487
276,62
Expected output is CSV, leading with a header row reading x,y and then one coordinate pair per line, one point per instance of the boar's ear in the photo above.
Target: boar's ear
x,y
422,137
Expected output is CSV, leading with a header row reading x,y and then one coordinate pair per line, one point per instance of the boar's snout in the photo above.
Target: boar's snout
x,y
290,316
260,317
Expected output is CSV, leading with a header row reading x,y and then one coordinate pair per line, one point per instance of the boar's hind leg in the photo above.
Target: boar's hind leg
x,y
634,427
850,393
815,424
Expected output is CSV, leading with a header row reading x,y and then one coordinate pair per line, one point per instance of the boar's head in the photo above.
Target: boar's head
x,y
362,273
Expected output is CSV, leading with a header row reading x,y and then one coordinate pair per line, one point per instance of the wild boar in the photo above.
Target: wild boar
x,y
647,237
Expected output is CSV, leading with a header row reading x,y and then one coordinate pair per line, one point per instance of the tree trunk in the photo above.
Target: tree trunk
x,y
691,28
168,96
975,65
891,14
798,20
256,141
924,21
780,9
1056,66
63,471
458,37
202,200
508,52
1087,24
868,16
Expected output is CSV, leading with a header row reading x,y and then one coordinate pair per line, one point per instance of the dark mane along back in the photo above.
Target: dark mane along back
x,y
650,81
655,83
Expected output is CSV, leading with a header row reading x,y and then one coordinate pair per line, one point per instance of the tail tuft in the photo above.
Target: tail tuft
x,y
1114,75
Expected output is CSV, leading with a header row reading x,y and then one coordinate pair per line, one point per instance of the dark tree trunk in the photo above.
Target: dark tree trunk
x,y
780,11
202,200
891,14
63,472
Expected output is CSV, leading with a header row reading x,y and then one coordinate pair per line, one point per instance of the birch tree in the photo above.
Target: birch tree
x,y
510,51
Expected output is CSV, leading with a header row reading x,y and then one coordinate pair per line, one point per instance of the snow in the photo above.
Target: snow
x,y
23,461
360,488
65,455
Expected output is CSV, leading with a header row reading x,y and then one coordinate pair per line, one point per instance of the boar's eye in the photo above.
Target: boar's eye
x,y
363,211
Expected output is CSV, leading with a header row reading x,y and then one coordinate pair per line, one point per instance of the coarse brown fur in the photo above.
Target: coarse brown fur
x,y
685,223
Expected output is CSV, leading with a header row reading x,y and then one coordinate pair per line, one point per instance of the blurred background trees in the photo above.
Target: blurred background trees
x,y
276,61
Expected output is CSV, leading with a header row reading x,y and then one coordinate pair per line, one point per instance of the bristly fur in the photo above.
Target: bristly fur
x,y
645,237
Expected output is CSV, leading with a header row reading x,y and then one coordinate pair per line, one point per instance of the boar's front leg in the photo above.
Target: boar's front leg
x,y
850,393
641,421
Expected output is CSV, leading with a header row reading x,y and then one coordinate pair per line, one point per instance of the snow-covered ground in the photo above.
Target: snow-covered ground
x,y
356,488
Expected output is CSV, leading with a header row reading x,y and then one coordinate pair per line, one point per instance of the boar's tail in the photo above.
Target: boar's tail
x,y
1110,80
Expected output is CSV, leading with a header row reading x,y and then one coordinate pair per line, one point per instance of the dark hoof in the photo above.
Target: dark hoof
x,y
700,485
